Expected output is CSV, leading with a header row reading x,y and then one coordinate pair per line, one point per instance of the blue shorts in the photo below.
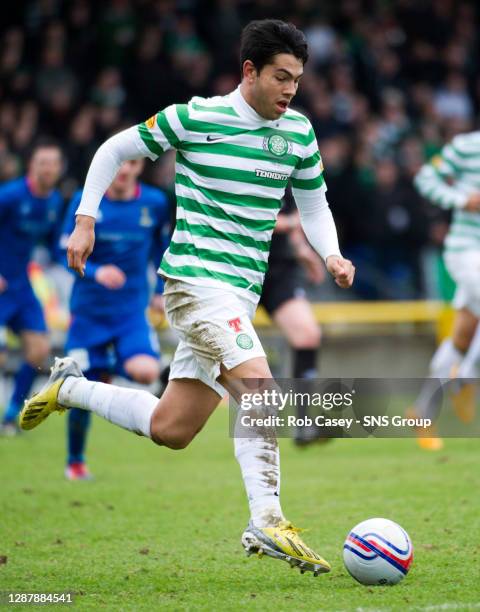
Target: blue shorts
x,y
106,344
20,311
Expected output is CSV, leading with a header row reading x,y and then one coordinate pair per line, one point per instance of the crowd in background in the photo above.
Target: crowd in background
x,y
387,83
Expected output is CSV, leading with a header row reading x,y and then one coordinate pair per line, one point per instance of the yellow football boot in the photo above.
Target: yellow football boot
x,y
429,441
463,397
427,437
283,542
42,404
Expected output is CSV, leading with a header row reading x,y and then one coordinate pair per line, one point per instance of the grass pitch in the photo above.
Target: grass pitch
x,y
160,530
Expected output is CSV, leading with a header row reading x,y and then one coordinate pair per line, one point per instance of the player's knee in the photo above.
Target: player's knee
x,y
175,439
145,371
461,343
256,368
464,328
461,338
37,354
307,337
178,442
147,376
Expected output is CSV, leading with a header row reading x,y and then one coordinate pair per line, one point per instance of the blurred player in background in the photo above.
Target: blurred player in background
x,y
110,333
452,180
30,210
235,156
284,298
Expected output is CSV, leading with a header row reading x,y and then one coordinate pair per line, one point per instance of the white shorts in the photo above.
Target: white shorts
x,y
214,327
464,268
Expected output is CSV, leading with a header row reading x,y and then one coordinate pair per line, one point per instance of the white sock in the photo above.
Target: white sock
x,y
430,398
444,358
259,461
131,409
469,365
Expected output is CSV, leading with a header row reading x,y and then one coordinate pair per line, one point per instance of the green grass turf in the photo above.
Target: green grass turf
x,y
159,529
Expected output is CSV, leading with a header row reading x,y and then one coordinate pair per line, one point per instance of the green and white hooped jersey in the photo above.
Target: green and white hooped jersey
x,y
232,168
447,180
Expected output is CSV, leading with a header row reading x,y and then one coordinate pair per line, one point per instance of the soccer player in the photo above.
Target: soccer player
x,y
235,155
109,333
283,297
450,180
30,208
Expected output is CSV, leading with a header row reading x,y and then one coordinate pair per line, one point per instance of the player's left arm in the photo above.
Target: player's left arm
x,y
309,191
319,227
307,257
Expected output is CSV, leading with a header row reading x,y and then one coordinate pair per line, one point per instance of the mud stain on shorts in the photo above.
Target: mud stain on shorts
x,y
208,338
211,338
177,296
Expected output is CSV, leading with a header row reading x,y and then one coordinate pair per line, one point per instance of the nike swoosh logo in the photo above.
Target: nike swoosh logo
x,y
214,138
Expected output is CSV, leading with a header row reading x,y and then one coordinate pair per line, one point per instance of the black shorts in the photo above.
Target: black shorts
x,y
283,282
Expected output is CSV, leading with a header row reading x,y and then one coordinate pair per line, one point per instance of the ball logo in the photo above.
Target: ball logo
x,y
277,145
378,551
244,341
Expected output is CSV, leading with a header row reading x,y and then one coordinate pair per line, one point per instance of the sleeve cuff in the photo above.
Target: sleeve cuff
x,y
91,270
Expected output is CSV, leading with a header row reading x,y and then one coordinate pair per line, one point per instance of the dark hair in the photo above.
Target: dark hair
x,y
262,39
44,142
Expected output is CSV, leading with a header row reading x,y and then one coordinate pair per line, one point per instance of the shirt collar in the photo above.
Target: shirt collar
x,y
244,109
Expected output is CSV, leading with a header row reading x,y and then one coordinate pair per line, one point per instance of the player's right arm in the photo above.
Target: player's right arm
x,y
149,139
105,164
109,276
437,179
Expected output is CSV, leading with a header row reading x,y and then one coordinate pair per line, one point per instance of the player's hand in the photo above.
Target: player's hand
x,y
80,244
110,276
156,312
312,264
342,270
3,284
157,303
473,202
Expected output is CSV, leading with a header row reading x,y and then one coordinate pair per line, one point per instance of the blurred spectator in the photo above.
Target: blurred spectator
x,y
108,90
117,31
150,81
452,99
56,85
81,144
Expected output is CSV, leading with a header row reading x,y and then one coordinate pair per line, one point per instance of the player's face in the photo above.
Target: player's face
x,y
127,174
46,167
274,87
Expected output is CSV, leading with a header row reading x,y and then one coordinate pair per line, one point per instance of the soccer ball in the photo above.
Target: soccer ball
x,y
378,551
